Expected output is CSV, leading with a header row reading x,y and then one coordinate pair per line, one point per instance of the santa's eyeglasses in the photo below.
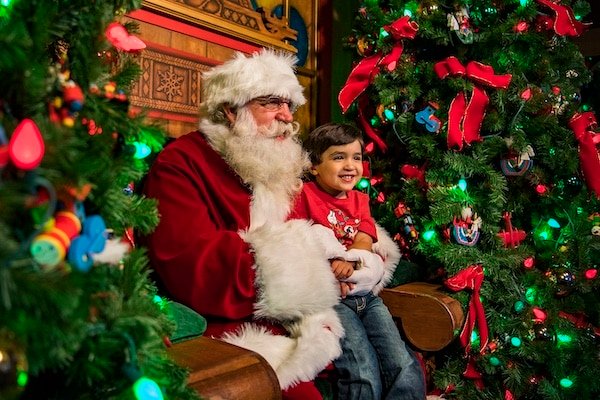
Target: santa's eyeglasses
x,y
274,103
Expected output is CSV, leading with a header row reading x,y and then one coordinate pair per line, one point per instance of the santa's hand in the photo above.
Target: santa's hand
x,y
369,275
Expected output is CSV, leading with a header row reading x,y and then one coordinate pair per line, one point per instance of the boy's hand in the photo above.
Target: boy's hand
x,y
342,269
345,288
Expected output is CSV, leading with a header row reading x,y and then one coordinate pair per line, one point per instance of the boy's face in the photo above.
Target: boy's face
x,y
340,169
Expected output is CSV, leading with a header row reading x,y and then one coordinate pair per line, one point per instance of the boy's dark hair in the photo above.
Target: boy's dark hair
x,y
327,135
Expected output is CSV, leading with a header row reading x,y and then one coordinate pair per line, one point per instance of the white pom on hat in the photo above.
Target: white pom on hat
x,y
264,73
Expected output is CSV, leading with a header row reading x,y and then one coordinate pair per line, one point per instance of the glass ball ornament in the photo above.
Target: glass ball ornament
x,y
565,281
13,367
541,332
364,46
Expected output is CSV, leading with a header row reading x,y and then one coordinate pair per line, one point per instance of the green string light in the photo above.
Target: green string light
x,y
531,295
462,184
22,378
515,341
143,387
389,114
566,383
146,389
553,223
428,235
474,337
142,150
519,306
363,184
563,339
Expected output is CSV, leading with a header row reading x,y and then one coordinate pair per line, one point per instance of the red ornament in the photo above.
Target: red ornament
x,y
414,172
539,314
521,27
529,263
541,189
118,36
376,180
591,273
511,237
26,146
526,94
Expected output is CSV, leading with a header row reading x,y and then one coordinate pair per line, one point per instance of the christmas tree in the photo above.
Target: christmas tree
x,y
79,314
484,161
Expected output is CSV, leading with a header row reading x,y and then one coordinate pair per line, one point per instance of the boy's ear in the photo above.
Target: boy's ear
x,y
313,171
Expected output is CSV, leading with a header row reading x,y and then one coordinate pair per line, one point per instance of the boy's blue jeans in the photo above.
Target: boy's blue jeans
x,y
375,363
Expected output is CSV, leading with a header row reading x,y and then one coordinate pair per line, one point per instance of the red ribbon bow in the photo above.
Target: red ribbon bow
x,y
565,23
464,120
589,154
471,278
367,69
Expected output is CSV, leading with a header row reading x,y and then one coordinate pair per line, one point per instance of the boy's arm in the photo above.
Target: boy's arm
x,y
362,241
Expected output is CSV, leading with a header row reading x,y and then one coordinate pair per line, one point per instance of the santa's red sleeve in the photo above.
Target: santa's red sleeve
x,y
196,249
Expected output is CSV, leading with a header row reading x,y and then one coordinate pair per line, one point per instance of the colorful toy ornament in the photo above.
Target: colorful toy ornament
x,y
91,241
402,212
459,22
426,117
50,247
466,230
517,165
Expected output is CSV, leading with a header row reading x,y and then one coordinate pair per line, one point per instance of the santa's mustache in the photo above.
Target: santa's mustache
x,y
280,129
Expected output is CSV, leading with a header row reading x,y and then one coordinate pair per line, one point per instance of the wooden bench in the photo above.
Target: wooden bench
x,y
428,317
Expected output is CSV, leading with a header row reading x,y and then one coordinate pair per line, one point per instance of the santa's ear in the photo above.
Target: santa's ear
x,y
230,113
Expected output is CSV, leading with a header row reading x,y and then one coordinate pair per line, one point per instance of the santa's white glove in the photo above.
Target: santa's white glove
x,y
331,246
370,273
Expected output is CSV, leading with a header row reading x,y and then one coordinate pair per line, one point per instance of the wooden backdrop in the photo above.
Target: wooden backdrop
x,y
185,37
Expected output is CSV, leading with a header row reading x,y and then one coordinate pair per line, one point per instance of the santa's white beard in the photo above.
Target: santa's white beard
x,y
271,156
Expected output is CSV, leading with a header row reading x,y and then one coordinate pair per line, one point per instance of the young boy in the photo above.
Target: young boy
x,y
376,363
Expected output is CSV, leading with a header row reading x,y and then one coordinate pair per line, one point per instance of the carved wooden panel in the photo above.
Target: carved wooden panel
x,y
168,83
233,17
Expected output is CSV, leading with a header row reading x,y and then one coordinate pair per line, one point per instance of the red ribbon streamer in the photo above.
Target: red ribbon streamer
x,y
589,154
367,69
471,372
580,321
471,278
464,120
565,23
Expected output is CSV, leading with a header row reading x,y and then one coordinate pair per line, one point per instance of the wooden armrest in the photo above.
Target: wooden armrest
x,y
428,317
219,370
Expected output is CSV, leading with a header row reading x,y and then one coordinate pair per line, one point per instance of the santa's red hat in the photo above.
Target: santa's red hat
x,y
264,73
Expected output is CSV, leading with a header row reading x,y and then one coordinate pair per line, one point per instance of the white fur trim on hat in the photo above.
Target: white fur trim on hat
x,y
243,78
